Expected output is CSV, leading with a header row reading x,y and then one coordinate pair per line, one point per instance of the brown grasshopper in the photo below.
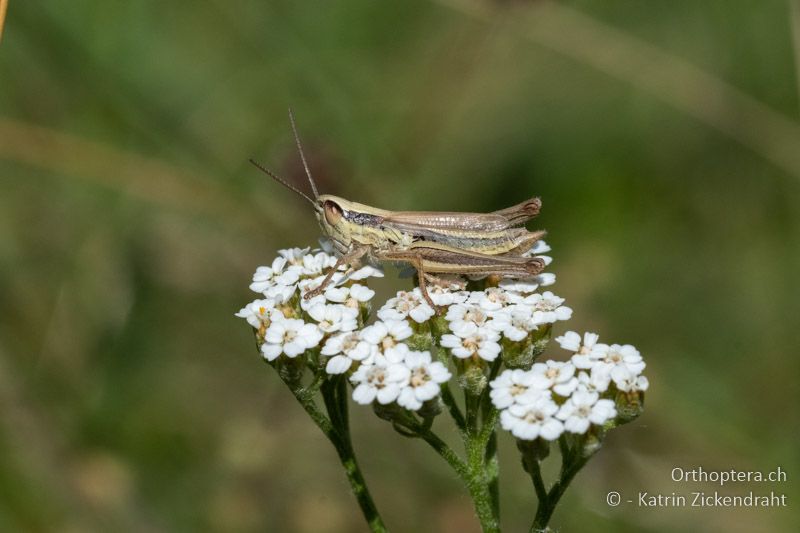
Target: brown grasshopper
x,y
432,242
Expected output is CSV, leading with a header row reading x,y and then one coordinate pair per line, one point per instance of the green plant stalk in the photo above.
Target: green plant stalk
x,y
471,473
572,460
479,485
337,430
446,452
481,460
493,473
489,437
475,472
480,473
452,407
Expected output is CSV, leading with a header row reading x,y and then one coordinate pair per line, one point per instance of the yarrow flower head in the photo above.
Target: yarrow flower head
x,y
474,330
547,307
469,340
289,336
407,304
533,419
351,296
462,314
314,323
585,408
332,318
257,312
424,380
346,349
386,335
513,386
382,381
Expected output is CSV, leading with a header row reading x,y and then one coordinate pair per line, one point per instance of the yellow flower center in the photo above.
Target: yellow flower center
x,y
388,342
517,389
534,417
419,377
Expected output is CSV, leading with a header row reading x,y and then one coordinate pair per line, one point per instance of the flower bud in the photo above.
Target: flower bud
x,y
473,380
431,408
420,340
533,451
517,354
524,354
390,412
629,406
592,443
539,339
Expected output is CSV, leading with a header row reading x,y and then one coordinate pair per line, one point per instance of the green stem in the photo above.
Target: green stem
x,y
481,459
452,407
478,483
446,452
488,439
493,473
572,460
337,430
472,408
472,472
538,481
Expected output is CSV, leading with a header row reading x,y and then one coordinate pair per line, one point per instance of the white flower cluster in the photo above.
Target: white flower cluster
x,y
544,401
477,320
383,367
599,364
554,397
286,332
409,378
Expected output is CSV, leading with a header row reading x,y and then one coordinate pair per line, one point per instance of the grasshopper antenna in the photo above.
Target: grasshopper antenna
x,y
302,156
281,181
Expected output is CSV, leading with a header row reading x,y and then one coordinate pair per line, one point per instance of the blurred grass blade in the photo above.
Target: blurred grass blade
x,y
3,9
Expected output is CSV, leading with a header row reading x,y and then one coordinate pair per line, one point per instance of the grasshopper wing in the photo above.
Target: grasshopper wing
x,y
520,213
425,223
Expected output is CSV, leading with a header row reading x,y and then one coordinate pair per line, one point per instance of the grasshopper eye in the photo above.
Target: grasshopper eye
x,y
333,213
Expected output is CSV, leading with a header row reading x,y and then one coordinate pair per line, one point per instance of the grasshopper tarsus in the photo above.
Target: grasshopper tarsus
x,y
311,293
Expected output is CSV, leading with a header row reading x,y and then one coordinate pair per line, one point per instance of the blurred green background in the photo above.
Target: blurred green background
x,y
662,136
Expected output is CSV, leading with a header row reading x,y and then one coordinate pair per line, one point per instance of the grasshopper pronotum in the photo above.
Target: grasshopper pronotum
x,y
432,242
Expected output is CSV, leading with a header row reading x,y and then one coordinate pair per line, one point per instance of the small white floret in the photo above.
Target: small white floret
x,y
381,380
334,317
513,386
532,421
584,408
469,340
289,336
425,379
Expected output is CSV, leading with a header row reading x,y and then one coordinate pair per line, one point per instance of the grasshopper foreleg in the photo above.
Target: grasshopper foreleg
x,y
352,256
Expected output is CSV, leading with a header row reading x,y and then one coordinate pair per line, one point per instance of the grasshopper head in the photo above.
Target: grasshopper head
x,y
332,216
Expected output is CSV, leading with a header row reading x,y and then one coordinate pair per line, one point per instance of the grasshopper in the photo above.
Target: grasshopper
x,y
432,242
